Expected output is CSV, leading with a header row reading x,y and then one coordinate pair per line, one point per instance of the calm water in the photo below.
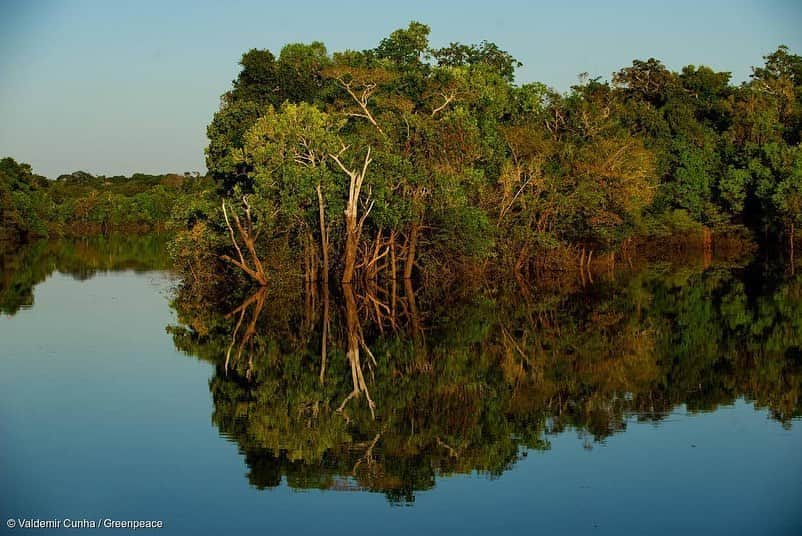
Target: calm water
x,y
661,401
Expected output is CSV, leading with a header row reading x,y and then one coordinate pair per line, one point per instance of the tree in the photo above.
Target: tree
x,y
24,204
288,151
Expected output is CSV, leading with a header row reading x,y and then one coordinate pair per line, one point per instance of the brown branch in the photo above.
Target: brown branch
x,y
448,99
362,100
258,272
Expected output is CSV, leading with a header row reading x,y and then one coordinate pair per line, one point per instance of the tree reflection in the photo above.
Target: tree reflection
x,y
24,266
467,381
356,340
241,341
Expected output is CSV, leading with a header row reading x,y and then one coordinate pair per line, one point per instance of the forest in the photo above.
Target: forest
x,y
80,204
407,161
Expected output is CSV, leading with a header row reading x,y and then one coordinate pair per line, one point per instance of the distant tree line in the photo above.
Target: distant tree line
x,y
406,159
81,204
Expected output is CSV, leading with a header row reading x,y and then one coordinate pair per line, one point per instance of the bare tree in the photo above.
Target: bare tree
x,y
353,227
249,237
361,93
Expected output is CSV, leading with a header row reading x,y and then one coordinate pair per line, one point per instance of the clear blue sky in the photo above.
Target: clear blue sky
x,y
115,87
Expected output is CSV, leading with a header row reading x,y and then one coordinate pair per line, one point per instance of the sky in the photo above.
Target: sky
x,y
113,87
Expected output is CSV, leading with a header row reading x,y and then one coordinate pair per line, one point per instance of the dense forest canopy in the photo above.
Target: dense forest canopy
x,y
404,159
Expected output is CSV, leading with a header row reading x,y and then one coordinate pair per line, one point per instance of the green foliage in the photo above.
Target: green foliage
x,y
226,133
788,194
482,168
84,205
25,206
405,47
499,61
674,223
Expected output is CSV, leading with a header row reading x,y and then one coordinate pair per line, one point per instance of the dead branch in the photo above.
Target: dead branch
x,y
368,89
248,237
447,101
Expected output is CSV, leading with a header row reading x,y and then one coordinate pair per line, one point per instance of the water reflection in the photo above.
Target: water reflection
x,y
381,388
24,266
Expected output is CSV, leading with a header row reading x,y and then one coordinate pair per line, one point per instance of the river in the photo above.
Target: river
x,y
661,401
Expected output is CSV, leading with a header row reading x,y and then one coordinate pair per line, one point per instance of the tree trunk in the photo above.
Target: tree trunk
x,y
793,239
351,243
414,315
324,236
411,247
325,335
393,275
353,230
